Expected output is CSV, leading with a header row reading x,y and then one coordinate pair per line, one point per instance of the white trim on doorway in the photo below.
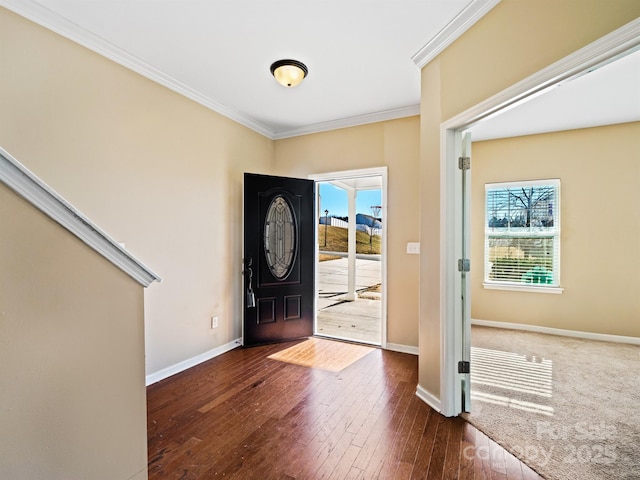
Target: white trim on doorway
x,y
603,50
362,173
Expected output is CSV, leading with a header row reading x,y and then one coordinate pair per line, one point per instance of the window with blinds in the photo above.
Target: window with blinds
x,y
522,233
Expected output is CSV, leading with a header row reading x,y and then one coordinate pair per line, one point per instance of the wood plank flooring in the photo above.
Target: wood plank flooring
x,y
244,416
323,353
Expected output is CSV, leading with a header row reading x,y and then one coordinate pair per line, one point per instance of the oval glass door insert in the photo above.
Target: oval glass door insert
x,y
280,237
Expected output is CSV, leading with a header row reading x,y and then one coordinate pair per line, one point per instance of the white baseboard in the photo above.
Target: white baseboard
x,y
192,362
398,347
428,398
141,475
602,337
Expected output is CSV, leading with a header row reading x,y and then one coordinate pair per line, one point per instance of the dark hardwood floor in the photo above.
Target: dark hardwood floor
x,y
244,416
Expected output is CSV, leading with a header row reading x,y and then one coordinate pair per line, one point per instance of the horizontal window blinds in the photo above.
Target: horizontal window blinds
x,y
522,233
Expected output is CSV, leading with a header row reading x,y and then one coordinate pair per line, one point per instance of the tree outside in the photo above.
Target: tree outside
x,y
521,223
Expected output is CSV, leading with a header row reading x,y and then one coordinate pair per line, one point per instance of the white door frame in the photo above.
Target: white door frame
x,y
363,172
603,50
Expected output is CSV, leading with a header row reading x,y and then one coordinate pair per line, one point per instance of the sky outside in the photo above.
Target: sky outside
x,y
335,200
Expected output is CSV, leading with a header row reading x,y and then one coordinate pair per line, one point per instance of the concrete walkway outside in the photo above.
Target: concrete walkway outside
x,y
359,320
332,278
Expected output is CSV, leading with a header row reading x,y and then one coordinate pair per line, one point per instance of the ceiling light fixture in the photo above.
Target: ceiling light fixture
x,y
289,73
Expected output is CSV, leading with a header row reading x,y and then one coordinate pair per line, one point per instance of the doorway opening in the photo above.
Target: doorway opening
x,y
522,359
351,255
456,326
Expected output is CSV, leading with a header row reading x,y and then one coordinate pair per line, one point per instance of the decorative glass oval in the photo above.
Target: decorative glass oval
x,y
280,237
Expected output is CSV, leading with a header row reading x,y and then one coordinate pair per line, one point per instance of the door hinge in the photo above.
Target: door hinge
x,y
464,163
464,265
464,367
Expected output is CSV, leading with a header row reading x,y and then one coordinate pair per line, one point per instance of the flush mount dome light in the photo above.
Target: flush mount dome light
x,y
289,73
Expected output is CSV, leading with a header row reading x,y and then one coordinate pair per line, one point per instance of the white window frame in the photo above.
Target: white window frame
x,y
554,232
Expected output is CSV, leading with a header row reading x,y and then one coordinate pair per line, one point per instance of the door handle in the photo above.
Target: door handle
x,y
248,271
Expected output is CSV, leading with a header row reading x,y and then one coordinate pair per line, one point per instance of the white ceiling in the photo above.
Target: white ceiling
x,y
604,96
358,52
361,55
370,182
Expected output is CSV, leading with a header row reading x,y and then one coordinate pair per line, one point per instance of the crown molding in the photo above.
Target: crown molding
x,y
392,114
39,14
454,29
28,186
50,20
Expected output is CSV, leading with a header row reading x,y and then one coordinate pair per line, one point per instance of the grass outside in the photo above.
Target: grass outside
x,y
337,239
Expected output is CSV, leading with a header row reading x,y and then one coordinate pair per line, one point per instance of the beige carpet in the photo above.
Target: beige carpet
x,y
566,407
324,354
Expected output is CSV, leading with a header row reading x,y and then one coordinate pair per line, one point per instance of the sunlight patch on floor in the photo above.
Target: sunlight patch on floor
x,y
511,379
324,354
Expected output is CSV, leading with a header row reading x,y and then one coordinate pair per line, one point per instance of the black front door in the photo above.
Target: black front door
x,y
279,261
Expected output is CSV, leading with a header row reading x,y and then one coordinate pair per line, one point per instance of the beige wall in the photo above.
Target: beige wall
x,y
73,401
600,228
514,40
153,169
163,174
394,144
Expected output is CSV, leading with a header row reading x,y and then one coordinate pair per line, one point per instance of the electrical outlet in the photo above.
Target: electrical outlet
x,y
214,321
